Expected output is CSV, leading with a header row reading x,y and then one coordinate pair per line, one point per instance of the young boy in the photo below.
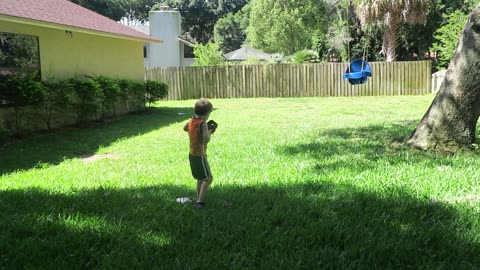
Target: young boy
x,y
199,135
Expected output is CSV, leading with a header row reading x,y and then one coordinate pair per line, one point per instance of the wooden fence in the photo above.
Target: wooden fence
x,y
289,80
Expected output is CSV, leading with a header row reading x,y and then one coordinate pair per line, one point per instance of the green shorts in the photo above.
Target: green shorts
x,y
200,167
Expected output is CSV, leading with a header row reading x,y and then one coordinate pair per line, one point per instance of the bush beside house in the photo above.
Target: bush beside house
x,y
28,103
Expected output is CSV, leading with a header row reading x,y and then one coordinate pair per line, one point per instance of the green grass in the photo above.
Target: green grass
x,y
317,183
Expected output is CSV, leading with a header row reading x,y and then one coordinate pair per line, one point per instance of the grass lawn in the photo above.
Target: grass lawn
x,y
314,183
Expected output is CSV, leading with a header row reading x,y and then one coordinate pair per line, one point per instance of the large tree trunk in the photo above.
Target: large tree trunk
x,y
450,122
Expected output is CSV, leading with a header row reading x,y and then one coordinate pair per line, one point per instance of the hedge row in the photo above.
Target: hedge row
x,y
85,98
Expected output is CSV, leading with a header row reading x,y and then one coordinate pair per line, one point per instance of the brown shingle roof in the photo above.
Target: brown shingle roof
x,y
66,13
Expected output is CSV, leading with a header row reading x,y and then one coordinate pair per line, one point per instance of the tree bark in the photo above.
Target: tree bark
x,y
450,122
390,44
390,37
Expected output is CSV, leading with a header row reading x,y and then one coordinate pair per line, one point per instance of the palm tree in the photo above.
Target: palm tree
x,y
391,13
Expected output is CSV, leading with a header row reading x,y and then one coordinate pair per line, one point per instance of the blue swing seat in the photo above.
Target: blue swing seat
x,y
358,72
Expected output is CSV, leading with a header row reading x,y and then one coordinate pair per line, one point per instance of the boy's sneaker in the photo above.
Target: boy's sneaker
x,y
199,205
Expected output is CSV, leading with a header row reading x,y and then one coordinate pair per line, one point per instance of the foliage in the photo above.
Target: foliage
x,y
58,97
208,55
199,16
111,94
306,56
132,94
391,14
286,26
278,58
128,11
229,31
136,11
87,98
113,9
251,61
344,38
155,91
471,4
19,91
54,100
447,37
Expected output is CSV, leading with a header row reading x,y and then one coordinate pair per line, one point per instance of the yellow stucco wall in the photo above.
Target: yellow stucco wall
x,y
63,55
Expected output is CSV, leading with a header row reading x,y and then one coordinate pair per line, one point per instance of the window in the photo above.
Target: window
x,y
188,52
19,54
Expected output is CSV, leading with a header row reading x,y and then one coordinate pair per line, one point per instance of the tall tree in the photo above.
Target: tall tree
x,y
136,11
286,26
450,122
230,30
129,12
113,9
391,14
199,16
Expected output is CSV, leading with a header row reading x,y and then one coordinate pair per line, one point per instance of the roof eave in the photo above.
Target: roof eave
x,y
75,29
191,44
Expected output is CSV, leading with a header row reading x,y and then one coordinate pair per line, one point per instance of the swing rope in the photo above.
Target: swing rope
x,y
348,28
357,70
367,41
365,48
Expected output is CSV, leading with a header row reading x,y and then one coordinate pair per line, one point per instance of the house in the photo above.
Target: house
x,y
246,52
73,40
165,24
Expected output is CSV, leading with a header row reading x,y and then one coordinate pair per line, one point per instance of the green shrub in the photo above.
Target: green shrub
x,y
155,90
306,56
87,98
132,94
111,95
19,91
447,36
208,55
58,97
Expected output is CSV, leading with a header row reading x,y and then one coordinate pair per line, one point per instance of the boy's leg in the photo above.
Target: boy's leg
x,y
203,189
199,186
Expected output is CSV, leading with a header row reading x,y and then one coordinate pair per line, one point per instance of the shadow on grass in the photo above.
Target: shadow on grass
x,y
359,149
53,148
304,226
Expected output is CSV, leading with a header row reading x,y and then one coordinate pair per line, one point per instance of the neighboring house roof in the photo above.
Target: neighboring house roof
x,y
65,15
189,43
246,52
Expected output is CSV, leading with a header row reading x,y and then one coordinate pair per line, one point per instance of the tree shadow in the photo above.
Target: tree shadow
x,y
314,225
54,148
359,149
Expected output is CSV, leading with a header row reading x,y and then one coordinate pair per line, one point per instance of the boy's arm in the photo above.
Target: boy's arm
x,y
205,132
186,127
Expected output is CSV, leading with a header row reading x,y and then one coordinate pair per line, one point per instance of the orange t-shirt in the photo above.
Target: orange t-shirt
x,y
197,146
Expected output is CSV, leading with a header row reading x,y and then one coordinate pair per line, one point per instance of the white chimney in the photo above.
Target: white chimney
x,y
165,25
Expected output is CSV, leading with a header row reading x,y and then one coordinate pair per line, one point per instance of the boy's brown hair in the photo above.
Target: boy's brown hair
x,y
203,106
